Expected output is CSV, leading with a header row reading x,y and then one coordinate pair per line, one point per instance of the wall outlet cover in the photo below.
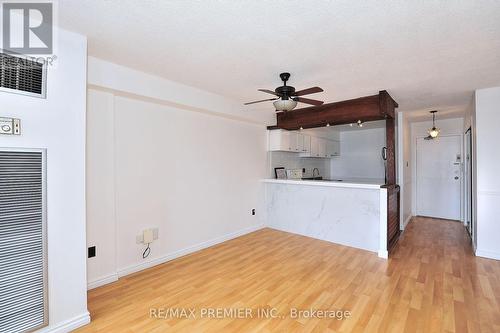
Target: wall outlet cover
x,y
147,236
91,252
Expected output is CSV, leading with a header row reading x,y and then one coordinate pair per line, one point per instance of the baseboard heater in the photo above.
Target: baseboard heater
x,y
23,260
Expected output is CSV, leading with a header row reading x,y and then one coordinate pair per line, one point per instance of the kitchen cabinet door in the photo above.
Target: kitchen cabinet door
x,y
281,140
293,141
333,148
303,144
307,144
315,147
322,147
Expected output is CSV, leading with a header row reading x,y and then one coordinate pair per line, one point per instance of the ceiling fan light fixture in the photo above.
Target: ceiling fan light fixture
x,y
285,104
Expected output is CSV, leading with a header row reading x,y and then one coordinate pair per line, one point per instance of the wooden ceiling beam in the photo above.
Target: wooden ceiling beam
x,y
369,108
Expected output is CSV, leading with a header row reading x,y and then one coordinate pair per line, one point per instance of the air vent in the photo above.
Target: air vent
x,y
23,261
22,76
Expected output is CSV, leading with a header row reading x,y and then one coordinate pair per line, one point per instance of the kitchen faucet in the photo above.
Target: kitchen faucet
x,y
314,170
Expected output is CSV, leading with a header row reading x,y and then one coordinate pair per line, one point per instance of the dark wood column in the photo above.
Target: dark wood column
x,y
393,194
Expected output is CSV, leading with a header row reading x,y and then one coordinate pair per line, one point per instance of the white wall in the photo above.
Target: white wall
x,y
487,116
360,154
419,129
193,174
57,124
104,74
101,226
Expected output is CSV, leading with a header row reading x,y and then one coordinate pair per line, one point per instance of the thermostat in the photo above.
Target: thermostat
x,y
10,126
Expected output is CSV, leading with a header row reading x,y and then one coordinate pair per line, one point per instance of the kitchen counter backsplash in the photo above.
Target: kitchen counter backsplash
x,y
292,161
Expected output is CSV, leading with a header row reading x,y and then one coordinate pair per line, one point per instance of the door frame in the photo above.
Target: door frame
x,y
469,197
414,173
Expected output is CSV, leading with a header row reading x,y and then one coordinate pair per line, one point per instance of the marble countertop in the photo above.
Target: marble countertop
x,y
345,182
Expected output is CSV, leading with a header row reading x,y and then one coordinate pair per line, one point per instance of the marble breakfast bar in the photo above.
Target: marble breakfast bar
x,y
348,212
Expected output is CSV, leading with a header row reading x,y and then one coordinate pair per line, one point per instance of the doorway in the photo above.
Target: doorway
x,y
439,178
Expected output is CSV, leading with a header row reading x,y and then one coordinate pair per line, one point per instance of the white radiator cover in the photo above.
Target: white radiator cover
x,y
23,260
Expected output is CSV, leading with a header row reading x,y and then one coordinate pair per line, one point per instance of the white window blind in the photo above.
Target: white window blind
x,y
23,265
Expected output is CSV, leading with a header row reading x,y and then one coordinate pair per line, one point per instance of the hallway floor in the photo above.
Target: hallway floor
x,y
431,283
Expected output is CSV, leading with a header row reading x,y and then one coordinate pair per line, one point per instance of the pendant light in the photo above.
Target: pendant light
x,y
434,131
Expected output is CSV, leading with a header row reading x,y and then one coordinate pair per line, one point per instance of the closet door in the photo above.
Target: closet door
x,y
23,264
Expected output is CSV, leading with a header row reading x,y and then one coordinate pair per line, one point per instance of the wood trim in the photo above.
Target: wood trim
x,y
390,165
393,208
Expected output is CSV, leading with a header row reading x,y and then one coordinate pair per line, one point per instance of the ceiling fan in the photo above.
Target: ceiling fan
x,y
287,97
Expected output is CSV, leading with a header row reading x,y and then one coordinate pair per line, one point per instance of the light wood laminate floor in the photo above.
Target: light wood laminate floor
x,y
432,283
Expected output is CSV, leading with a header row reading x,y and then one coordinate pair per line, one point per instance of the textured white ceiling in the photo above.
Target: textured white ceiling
x,y
427,54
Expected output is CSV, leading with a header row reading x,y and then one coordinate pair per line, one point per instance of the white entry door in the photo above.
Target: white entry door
x,y
439,177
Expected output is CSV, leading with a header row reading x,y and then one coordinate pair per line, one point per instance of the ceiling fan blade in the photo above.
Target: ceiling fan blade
x,y
262,100
308,91
309,101
268,91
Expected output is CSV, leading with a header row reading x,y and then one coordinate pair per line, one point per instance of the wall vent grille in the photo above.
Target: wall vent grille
x,y
22,76
23,272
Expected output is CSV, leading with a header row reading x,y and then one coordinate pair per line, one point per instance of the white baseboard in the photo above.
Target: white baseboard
x,y
383,254
487,254
68,325
102,281
405,222
179,253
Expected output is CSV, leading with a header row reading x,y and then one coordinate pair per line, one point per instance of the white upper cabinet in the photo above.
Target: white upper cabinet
x,y
303,143
281,140
318,147
333,148
306,145
322,144
293,141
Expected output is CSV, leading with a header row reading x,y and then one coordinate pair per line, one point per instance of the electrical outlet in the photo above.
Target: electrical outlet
x,y
253,211
17,126
91,252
